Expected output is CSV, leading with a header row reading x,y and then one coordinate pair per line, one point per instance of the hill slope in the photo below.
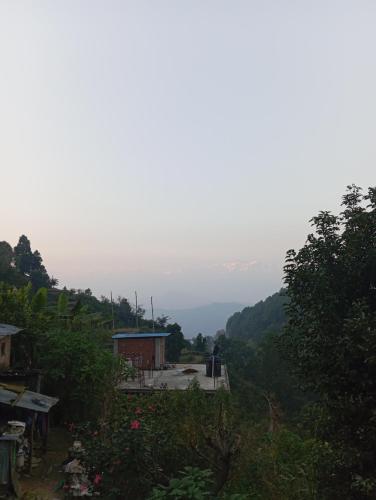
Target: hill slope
x,y
253,322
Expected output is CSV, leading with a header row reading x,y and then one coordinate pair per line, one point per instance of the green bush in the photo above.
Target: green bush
x,y
193,484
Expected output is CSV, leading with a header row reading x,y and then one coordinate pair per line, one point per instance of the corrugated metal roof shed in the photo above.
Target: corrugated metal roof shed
x,y
139,335
8,330
27,399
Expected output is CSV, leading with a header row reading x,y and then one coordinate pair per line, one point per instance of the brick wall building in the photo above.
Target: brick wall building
x,y
145,350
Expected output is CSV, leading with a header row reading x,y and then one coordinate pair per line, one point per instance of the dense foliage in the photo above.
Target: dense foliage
x,y
252,323
331,338
193,484
20,265
155,436
76,366
260,378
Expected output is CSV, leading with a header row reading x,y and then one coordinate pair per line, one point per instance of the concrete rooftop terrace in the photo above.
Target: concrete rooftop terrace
x,y
179,377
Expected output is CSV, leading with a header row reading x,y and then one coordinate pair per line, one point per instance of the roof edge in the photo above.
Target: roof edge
x,y
145,335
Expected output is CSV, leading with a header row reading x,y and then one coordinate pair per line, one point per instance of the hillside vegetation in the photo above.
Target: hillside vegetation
x,y
253,323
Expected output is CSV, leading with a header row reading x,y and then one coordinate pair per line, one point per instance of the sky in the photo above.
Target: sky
x,y
179,148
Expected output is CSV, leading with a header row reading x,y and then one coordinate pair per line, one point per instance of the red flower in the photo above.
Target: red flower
x,y
138,410
135,424
97,479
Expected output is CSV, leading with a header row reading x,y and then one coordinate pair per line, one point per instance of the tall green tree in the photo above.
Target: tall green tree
x,y
174,342
30,265
200,343
330,338
6,259
8,271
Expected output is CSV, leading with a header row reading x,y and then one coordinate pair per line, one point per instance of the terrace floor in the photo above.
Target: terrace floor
x,y
178,376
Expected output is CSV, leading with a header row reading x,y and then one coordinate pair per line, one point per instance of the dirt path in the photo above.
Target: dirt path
x,y
45,479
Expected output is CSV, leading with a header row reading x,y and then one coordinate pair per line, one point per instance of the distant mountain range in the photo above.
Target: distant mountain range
x,y
206,319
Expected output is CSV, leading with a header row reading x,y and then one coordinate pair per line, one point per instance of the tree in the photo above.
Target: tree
x,y
161,321
8,272
174,342
146,441
330,338
23,308
80,371
6,258
200,344
29,264
264,317
24,255
125,314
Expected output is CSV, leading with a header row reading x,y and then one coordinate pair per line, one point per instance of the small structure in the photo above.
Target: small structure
x,y
6,332
145,351
25,411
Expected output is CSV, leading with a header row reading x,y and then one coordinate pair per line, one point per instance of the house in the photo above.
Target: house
x,y
21,413
20,409
6,333
146,351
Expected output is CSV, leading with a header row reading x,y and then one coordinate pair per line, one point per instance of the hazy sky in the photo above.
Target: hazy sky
x,y
180,147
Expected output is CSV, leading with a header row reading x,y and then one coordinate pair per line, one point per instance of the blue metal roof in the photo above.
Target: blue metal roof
x,y
139,335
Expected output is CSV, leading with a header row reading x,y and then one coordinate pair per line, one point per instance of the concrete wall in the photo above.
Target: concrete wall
x,y
5,345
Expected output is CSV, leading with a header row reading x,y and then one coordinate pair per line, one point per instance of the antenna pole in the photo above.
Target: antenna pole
x,y
135,293
152,312
112,310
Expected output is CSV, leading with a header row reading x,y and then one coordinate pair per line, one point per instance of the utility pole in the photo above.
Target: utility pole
x,y
135,293
152,312
112,309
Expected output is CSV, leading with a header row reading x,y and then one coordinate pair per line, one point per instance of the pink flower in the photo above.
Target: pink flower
x,y
138,410
135,424
97,479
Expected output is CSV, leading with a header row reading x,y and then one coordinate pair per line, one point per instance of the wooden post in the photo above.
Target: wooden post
x,y
152,312
135,293
31,442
